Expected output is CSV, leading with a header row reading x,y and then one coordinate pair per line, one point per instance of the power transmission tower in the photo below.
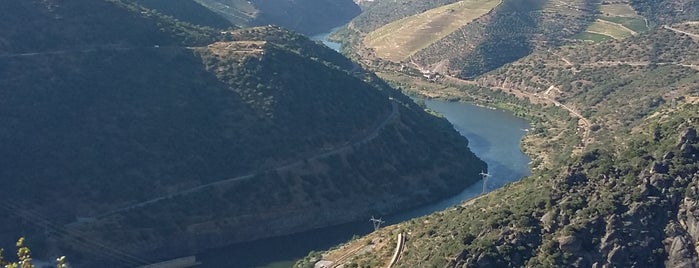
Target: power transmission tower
x,y
377,222
485,180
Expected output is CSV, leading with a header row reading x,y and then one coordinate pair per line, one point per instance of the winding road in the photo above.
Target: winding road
x,y
357,141
400,244
366,138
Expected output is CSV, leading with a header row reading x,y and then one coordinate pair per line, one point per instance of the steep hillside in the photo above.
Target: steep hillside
x,y
400,39
378,13
188,10
130,137
464,38
650,68
471,37
305,16
624,195
49,20
667,11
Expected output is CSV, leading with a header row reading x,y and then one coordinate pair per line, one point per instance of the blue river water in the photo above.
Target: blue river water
x,y
494,135
323,37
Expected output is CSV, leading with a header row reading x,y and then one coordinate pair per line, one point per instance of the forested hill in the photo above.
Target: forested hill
x,y
126,128
188,10
667,11
305,16
75,25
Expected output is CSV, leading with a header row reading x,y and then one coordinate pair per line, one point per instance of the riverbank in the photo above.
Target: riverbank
x,y
537,142
497,146
293,247
375,249
550,124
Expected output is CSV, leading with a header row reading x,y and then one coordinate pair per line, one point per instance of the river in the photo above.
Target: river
x,y
494,135
323,37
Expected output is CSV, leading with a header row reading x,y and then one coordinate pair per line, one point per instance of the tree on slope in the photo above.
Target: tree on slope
x,y
24,258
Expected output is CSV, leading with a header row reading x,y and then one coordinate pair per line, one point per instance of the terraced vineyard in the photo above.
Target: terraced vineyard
x,y
616,21
464,38
400,39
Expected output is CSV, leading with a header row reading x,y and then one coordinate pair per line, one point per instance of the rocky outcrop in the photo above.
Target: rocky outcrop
x,y
652,222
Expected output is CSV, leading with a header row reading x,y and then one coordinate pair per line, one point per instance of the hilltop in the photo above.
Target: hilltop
x,y
615,173
130,136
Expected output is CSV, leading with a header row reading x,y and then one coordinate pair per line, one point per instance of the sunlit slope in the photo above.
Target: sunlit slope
x,y
611,29
400,39
617,21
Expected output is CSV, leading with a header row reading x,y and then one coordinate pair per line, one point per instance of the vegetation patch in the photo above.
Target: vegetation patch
x,y
620,10
399,40
594,37
636,24
617,20
239,12
611,29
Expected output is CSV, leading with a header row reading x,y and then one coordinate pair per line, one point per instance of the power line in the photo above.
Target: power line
x,y
77,239
82,241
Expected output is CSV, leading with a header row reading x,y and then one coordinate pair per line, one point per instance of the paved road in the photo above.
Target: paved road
x,y
399,248
366,138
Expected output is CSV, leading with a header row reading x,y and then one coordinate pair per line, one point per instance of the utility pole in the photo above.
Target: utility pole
x,y
485,180
377,222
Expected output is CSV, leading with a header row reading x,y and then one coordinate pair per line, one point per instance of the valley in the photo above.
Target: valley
x,y
613,148
137,131
497,145
156,138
